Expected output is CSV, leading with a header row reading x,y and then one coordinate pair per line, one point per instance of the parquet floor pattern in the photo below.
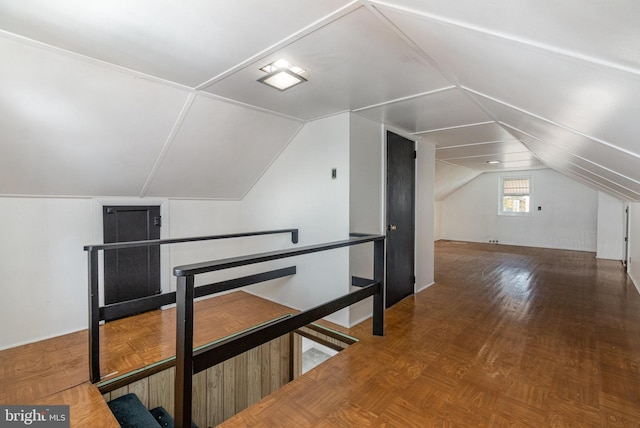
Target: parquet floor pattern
x,y
55,371
506,337
31,372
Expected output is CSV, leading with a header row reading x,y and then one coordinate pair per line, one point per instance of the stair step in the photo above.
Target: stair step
x,y
131,413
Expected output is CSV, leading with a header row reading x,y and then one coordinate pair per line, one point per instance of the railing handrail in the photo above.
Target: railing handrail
x,y
93,278
218,352
134,306
215,265
152,242
189,362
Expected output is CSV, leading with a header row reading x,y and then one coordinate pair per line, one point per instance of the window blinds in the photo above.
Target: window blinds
x,y
515,187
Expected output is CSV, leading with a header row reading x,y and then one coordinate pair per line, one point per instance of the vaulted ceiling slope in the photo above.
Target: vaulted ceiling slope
x,y
160,98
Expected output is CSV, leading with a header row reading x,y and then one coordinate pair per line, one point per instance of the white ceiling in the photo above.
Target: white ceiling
x,y
160,98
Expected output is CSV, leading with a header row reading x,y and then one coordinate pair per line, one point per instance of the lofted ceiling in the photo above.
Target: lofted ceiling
x,y
160,98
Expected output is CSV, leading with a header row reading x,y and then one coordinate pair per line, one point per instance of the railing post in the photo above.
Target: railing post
x,y
184,351
94,317
378,298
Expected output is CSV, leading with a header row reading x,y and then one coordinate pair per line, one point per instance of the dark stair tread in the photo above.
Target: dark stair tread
x,y
131,413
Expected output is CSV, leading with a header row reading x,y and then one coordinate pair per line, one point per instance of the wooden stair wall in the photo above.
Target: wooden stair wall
x,y
224,389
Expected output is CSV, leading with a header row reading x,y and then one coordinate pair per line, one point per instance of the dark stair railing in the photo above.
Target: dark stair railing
x,y
99,313
190,362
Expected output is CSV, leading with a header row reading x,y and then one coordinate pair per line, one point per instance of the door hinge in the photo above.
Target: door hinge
x,y
414,279
157,221
415,154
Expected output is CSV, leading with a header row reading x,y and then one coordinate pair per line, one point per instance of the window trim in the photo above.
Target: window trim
x,y
501,196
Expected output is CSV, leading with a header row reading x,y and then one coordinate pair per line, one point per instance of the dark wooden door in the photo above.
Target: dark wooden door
x,y
401,168
626,239
131,273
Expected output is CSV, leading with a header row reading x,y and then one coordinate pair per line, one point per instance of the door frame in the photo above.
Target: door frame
x,y
98,236
385,222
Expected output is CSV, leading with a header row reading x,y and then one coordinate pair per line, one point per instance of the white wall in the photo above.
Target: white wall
x,y
42,268
611,227
366,200
425,214
437,215
568,218
366,160
298,191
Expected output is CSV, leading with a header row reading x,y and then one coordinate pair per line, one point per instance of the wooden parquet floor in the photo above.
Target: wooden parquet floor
x,y
31,372
507,336
55,371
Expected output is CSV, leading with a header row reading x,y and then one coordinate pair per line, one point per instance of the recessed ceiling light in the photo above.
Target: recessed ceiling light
x,y
493,162
281,75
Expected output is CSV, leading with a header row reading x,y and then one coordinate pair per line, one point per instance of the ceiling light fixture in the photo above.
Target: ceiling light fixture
x,y
493,162
281,75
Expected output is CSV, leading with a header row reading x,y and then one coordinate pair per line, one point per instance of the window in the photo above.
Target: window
x,y
515,195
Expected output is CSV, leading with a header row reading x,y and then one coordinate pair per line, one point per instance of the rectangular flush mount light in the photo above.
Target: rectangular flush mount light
x,y
281,75
493,162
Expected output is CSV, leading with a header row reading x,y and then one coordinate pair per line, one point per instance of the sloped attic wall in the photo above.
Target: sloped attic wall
x,y
450,178
561,78
72,126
